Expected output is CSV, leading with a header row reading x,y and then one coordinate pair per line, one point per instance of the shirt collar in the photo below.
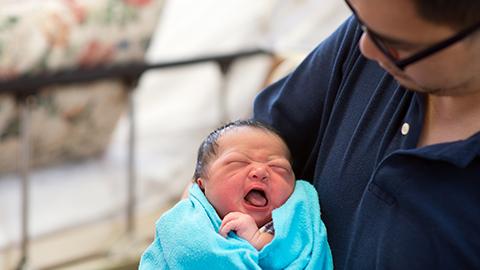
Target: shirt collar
x,y
460,153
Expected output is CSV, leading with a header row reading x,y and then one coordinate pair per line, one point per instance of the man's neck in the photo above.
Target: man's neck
x,y
450,118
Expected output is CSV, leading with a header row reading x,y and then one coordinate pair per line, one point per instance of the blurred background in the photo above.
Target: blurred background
x,y
88,194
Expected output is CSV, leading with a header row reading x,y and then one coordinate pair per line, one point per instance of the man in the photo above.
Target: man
x,y
384,118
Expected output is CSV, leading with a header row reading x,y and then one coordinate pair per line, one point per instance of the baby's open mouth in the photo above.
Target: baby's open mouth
x,y
256,197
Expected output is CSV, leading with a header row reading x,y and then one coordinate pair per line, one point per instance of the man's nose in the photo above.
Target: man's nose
x,y
258,173
370,50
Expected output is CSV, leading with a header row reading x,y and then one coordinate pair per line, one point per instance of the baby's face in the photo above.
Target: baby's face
x,y
251,174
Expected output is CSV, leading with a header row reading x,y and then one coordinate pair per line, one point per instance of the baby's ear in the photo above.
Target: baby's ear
x,y
200,183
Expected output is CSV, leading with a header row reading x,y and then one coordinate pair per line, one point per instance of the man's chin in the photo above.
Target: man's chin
x,y
408,84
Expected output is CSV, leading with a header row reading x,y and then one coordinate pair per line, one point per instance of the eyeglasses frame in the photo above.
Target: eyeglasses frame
x,y
424,53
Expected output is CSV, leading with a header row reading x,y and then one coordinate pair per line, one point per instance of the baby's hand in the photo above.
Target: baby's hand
x,y
244,225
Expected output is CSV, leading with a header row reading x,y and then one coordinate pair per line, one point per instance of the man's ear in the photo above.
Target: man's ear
x,y
200,183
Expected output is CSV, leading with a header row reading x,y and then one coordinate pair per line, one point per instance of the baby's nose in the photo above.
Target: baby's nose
x,y
259,173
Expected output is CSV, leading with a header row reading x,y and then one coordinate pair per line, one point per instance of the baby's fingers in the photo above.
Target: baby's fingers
x,y
228,226
231,216
228,218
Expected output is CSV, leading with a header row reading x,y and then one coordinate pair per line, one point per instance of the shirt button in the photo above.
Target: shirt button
x,y
405,128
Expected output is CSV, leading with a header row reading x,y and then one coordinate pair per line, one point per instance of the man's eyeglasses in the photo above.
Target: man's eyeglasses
x,y
391,53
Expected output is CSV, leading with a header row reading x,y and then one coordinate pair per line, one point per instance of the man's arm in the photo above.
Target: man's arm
x,y
185,191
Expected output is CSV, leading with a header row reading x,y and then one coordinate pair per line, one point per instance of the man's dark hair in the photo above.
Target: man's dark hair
x,y
459,14
208,148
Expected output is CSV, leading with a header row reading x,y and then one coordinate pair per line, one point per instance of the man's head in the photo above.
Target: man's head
x,y
245,166
429,46
458,14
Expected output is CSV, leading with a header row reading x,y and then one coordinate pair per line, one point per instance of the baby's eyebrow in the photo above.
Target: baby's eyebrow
x,y
235,156
279,160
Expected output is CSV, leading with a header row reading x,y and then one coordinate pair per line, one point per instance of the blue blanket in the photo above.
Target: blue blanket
x,y
187,237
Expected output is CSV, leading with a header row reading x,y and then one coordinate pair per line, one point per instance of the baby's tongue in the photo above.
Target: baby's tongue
x,y
256,198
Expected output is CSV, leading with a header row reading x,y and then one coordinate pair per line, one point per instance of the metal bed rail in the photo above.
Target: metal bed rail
x,y
27,86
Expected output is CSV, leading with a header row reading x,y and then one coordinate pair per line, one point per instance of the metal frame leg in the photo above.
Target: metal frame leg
x,y
24,105
224,65
222,101
131,172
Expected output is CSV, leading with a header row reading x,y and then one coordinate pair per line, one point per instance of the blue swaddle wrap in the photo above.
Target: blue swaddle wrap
x,y
187,237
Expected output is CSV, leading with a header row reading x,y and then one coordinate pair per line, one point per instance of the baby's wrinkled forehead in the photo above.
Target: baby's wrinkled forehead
x,y
250,138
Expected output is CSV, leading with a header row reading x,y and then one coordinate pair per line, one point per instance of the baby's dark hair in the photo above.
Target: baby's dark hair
x,y
208,148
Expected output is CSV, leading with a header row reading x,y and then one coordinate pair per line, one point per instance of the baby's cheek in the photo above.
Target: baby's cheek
x,y
288,177
287,192
221,206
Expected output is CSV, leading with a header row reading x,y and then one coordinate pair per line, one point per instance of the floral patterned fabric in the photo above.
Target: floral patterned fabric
x,y
36,36
76,121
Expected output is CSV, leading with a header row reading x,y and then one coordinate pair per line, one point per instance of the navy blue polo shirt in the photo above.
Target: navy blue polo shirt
x,y
353,131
